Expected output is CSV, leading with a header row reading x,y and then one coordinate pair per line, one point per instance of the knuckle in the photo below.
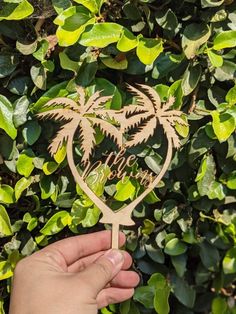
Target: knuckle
x,y
104,269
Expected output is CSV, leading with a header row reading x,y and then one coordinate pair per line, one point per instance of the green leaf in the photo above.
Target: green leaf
x,y
31,132
206,175
41,52
21,186
191,78
25,163
209,255
182,129
226,72
124,190
162,293
223,125
92,217
49,167
5,223
14,11
61,5
89,4
56,223
202,170
127,41
229,261
47,187
67,63
5,270
73,22
6,117
169,211
101,35
216,190
115,63
86,73
225,39
20,112
168,21
231,180
179,262
61,153
216,60
39,76
8,63
175,247
26,49
148,227
231,96
97,178
194,36
149,49
183,292
211,3
6,194
176,90
145,296
219,306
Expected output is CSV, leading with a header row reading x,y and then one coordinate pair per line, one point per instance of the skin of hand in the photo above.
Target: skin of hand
x,y
77,275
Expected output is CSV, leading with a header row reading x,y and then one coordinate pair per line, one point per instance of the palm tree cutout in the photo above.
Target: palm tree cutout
x,y
143,118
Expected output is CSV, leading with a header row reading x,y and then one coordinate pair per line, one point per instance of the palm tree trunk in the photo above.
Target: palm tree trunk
x,y
128,209
109,215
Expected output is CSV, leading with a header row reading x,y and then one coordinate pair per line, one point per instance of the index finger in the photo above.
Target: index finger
x,y
76,247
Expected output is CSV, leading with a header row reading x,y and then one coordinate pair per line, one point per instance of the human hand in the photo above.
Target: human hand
x,y
77,275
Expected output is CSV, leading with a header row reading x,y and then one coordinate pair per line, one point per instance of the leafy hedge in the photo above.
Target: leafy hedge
x,y
184,241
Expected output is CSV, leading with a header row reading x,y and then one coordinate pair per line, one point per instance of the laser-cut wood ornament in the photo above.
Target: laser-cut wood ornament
x,y
141,119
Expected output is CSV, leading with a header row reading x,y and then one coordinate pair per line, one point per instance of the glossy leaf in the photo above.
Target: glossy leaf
x,y
101,35
5,223
223,125
224,40
148,50
194,36
6,194
6,117
56,223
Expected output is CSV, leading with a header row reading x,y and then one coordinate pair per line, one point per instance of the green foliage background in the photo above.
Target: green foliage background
x,y
184,241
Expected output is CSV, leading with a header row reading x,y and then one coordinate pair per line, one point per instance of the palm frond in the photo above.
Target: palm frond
x,y
87,139
61,136
169,103
134,121
143,133
170,132
114,115
132,109
62,101
60,114
81,92
155,98
142,99
91,101
98,102
174,120
109,130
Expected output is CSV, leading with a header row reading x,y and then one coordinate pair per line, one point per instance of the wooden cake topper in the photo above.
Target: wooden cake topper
x,y
134,124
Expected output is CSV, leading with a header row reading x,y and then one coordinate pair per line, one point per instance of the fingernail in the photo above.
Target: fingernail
x,y
115,256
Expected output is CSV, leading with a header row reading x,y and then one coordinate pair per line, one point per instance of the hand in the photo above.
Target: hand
x,y
77,275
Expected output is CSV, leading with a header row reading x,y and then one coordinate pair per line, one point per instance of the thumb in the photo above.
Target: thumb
x,y
103,270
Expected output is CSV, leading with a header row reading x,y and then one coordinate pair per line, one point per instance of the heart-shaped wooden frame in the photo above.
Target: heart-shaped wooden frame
x,y
147,111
